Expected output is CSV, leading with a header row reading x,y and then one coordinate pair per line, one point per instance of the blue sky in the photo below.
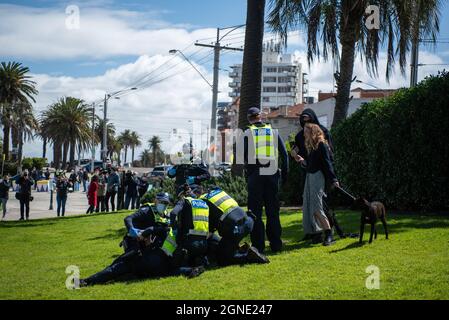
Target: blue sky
x,y
118,43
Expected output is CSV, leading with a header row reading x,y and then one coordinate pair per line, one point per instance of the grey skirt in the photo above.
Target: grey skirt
x,y
314,219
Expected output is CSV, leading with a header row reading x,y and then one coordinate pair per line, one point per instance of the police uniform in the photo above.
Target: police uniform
x,y
262,151
232,224
191,173
190,219
142,219
154,260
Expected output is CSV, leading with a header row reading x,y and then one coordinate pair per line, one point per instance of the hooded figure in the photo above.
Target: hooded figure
x,y
300,140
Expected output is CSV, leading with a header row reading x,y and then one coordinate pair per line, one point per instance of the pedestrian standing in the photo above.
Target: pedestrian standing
x,y
101,196
142,188
34,176
85,180
263,147
24,195
319,170
47,174
92,194
131,191
62,189
112,189
5,185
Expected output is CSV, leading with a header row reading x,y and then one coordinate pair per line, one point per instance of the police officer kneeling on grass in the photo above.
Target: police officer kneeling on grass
x,y
147,216
233,224
190,219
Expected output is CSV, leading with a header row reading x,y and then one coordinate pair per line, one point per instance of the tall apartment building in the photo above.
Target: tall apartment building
x,y
283,82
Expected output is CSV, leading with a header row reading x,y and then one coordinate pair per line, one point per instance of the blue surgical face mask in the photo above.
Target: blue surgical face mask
x,y
160,207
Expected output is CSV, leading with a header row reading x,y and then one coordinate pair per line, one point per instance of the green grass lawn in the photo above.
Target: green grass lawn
x,y
413,264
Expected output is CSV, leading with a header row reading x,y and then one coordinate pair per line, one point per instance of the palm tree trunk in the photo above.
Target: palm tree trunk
x,y
20,149
64,154
57,154
6,134
348,39
72,153
132,155
44,148
15,142
126,152
252,59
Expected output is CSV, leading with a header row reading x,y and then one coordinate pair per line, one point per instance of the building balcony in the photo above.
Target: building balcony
x,y
233,74
234,84
234,94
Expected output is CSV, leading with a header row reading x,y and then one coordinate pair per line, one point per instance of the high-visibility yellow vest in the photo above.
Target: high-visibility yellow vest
x,y
263,138
223,201
169,245
200,217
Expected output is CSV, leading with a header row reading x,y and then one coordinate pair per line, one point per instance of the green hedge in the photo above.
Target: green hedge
x,y
396,150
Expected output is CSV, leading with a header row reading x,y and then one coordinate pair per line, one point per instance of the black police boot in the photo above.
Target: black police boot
x,y
254,256
328,238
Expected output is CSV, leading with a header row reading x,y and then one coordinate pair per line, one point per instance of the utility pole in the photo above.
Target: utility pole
x,y
105,130
217,49
415,45
93,138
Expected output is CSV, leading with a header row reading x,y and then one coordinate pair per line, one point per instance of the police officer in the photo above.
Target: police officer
x,y
190,219
192,171
233,224
152,258
263,147
147,216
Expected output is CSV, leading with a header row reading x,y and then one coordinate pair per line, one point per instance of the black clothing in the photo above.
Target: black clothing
x,y
73,178
142,188
300,139
62,187
141,219
131,185
47,175
182,171
25,186
282,154
4,189
320,160
25,208
264,191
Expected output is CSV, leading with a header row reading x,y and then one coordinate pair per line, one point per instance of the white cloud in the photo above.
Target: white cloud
x,y
154,109
41,33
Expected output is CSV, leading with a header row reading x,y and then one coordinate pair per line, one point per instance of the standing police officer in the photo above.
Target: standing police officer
x,y
262,149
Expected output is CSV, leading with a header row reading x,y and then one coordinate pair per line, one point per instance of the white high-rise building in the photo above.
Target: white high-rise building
x,y
283,82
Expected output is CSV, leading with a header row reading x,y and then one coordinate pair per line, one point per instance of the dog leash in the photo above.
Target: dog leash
x,y
346,193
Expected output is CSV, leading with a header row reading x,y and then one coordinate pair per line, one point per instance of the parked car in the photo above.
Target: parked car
x,y
97,164
223,167
160,171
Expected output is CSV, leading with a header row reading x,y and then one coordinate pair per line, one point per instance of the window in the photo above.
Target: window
x,y
271,69
284,89
269,89
323,120
269,79
284,79
266,99
285,69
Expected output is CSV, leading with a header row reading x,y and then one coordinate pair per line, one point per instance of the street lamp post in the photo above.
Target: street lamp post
x,y
105,119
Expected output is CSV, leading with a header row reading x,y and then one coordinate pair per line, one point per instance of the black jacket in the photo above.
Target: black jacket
x,y
4,189
282,151
141,219
181,219
300,140
320,160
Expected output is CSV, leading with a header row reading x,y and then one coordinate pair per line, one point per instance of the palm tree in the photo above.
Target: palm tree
x,y
134,142
145,157
155,146
67,123
15,88
252,59
125,139
343,23
24,124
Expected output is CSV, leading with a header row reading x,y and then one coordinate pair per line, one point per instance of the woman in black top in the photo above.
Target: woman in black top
x,y
5,185
319,169
25,183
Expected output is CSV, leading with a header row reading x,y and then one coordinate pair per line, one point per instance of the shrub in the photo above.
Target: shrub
x,y
395,150
30,163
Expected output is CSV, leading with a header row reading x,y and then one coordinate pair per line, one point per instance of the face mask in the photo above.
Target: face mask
x,y
160,207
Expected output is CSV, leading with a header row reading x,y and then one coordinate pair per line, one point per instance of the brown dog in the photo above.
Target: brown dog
x,y
371,212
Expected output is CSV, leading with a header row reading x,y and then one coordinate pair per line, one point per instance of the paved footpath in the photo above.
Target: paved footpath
x,y
39,207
